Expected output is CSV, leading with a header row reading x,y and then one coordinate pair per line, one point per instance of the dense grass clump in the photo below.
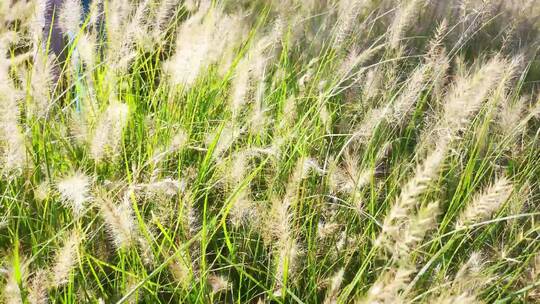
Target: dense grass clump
x,y
347,151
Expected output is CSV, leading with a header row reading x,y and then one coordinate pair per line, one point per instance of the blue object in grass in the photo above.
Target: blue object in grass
x,y
79,85
57,44
86,7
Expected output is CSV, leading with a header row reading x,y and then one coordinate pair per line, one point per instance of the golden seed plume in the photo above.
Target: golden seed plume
x,y
108,132
74,191
66,259
37,290
69,18
410,194
404,17
333,290
118,219
202,40
486,203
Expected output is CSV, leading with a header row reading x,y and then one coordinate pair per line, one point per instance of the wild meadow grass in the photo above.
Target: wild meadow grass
x,y
284,151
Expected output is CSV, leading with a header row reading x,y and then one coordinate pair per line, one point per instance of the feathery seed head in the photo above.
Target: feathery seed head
x,y
189,215
303,167
108,132
181,269
145,248
408,199
435,43
486,203
469,277
86,48
37,291
202,41
37,22
191,5
348,10
416,229
225,138
118,219
327,229
12,139
388,285
410,95
239,166
372,83
218,283
240,87
333,290
42,191
66,259
166,187
404,16
472,266
163,13
242,210
95,14
41,82
467,95
69,19
277,225
510,115
350,178
74,191
287,262
179,140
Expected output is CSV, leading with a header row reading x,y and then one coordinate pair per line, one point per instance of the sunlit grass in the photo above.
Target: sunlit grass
x,y
271,152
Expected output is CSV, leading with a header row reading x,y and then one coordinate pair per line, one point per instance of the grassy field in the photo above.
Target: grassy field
x,y
271,151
